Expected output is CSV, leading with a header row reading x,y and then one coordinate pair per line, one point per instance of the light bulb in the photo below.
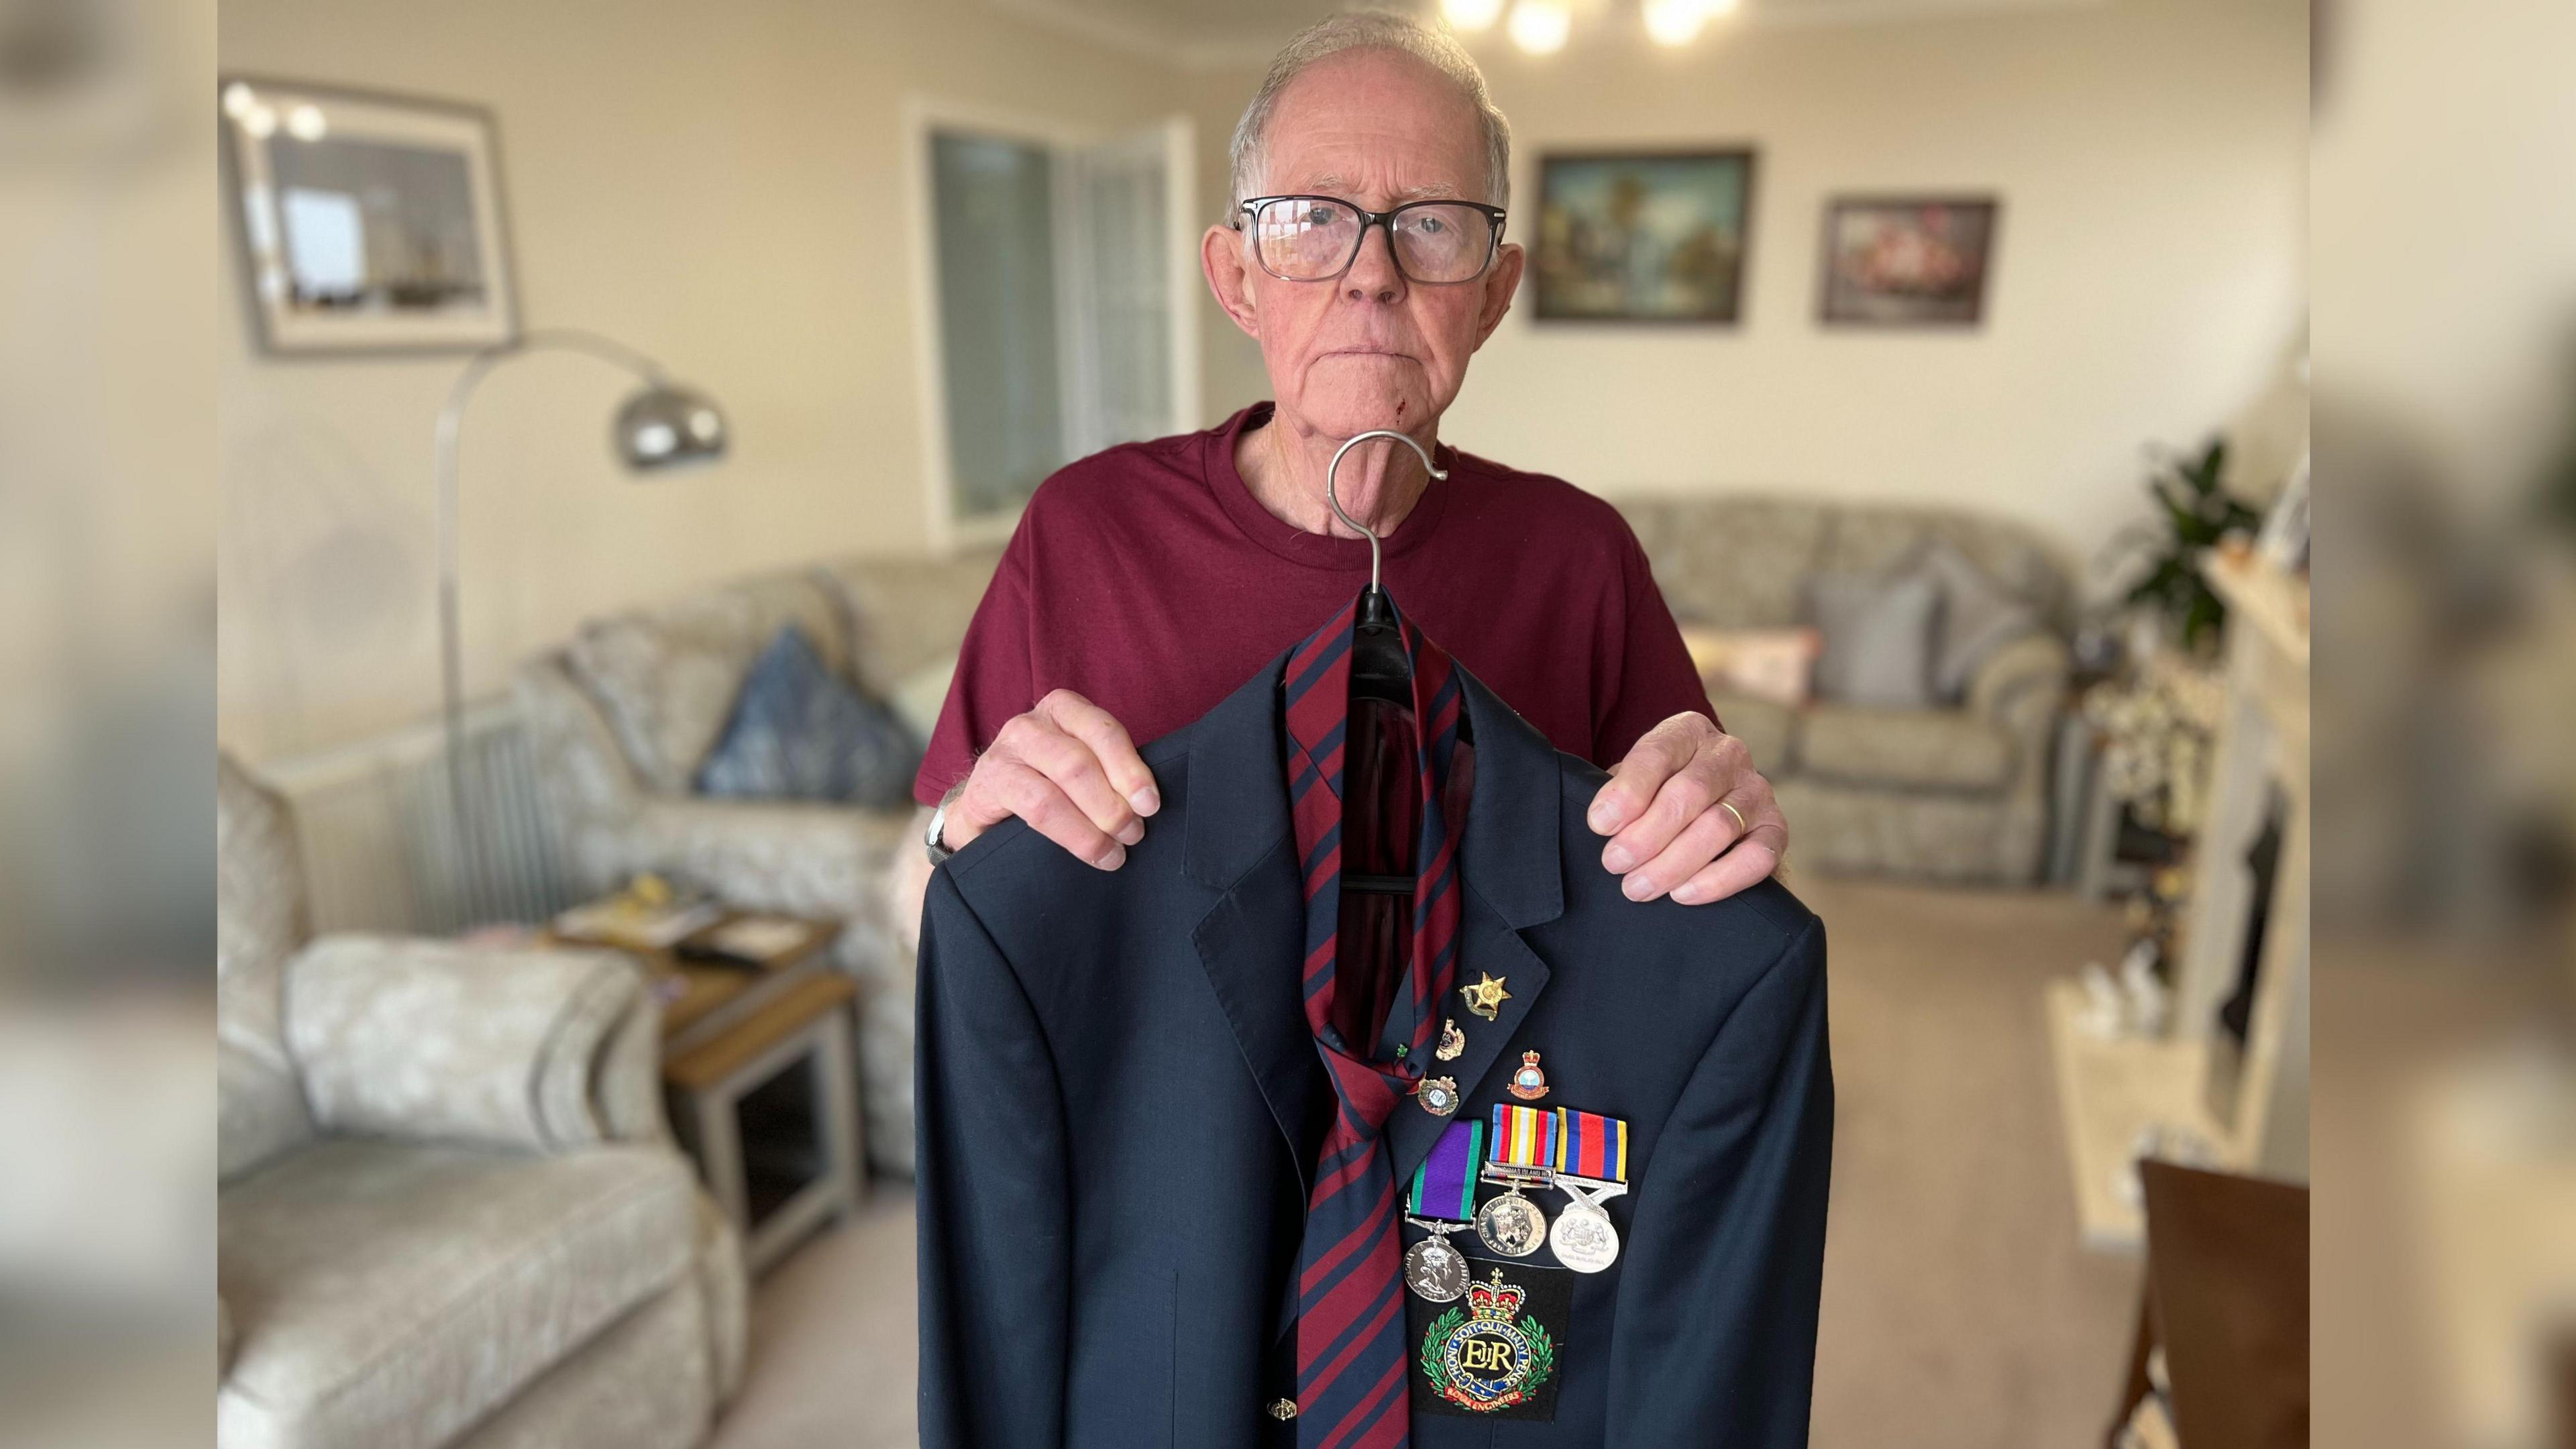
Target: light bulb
x,y
305,123
1540,26
1471,14
1675,22
238,99
260,121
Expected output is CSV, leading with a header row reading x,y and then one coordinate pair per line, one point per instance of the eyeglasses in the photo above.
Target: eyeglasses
x,y
1316,238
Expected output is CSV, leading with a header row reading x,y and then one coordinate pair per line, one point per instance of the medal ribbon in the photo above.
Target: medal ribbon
x,y
1351,1352
1591,1147
1524,1136
1444,1186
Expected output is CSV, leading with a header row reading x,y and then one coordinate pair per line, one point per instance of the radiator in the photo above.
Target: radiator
x,y
381,845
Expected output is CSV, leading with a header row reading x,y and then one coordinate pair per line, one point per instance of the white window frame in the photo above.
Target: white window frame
x,y
922,117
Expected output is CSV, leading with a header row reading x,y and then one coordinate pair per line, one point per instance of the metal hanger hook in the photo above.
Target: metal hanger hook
x,y
1333,497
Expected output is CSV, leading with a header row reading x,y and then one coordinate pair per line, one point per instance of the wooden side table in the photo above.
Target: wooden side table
x,y
759,1078
769,1108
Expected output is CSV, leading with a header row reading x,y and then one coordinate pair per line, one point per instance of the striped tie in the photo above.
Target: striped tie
x,y
1350,1325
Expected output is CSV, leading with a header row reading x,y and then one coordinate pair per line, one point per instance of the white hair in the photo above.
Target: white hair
x,y
1371,30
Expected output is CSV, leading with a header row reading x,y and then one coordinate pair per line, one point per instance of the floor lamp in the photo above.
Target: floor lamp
x,y
660,426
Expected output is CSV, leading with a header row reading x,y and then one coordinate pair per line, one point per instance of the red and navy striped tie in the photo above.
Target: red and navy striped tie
x,y
1350,1327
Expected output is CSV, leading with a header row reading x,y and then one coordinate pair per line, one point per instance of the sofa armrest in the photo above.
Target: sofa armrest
x,y
2020,686
410,1037
584,769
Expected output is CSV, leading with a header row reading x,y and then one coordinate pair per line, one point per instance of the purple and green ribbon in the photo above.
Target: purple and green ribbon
x,y
1444,1186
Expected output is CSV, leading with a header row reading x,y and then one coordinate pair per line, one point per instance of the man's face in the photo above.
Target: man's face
x,y
1370,348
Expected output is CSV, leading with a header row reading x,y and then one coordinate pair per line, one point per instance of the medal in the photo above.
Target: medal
x,y
1438,1095
1435,1271
1583,1237
1452,1040
1529,1083
1524,1147
1440,1200
1592,1167
1485,997
1511,1225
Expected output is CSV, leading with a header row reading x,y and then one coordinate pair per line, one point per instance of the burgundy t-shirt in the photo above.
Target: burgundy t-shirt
x,y
1149,580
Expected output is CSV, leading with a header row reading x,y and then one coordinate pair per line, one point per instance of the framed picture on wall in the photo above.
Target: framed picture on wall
x,y
1643,236
369,223
1908,261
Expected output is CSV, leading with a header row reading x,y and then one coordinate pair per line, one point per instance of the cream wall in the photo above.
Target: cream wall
x,y
720,185
723,187
2151,158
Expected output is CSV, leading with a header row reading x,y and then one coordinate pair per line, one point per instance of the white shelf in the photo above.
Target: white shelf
x,y
2106,1092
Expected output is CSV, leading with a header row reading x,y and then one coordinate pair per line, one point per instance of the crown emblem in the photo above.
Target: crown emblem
x,y
1495,1299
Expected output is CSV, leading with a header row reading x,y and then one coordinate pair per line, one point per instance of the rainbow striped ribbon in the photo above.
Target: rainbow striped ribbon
x,y
1524,1137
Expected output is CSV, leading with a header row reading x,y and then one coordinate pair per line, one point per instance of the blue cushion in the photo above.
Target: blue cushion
x,y
799,732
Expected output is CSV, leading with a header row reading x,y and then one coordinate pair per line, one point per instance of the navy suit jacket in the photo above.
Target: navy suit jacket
x,y
1119,1103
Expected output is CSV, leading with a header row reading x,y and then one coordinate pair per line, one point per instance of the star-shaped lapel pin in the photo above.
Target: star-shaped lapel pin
x,y
1486,997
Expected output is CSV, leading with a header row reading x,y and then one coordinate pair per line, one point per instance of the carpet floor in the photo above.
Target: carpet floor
x,y
1959,1310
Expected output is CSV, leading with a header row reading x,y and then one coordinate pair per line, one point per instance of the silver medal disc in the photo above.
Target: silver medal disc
x,y
1511,1225
1583,1237
1435,1270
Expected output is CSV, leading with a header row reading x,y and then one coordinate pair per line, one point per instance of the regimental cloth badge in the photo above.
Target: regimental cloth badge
x,y
1500,1354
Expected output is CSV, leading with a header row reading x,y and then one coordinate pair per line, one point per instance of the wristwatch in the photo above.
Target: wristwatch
x,y
930,838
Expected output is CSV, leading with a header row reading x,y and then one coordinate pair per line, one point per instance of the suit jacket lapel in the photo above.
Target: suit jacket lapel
x,y
1509,865
1239,846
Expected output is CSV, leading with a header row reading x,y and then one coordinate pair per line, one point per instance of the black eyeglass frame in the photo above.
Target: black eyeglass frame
x,y
1382,219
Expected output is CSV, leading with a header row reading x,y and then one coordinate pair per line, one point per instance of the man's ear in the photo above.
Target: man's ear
x,y
1501,284
1221,258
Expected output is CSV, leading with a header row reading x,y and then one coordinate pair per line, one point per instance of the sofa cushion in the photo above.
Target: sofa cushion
x,y
1940,749
1768,728
1978,617
906,614
1878,538
799,732
1878,634
390,1295
666,678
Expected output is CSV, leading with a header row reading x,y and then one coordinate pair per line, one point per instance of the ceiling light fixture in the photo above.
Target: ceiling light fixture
x,y
1539,26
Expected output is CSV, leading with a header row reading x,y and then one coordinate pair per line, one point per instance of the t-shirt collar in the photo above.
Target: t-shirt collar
x,y
1314,550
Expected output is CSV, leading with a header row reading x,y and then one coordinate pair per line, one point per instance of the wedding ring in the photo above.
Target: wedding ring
x,y
1741,824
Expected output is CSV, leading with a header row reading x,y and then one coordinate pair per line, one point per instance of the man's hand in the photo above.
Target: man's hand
x,y
1069,770
1667,804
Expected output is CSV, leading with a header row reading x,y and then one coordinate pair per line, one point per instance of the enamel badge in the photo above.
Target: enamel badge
x,y
1529,1083
1452,1040
1438,1095
1485,997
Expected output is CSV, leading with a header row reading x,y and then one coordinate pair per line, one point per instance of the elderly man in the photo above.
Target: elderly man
x,y
1364,252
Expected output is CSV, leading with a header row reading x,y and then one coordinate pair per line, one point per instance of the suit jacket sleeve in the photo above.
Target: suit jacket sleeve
x,y
1716,1332
994,1222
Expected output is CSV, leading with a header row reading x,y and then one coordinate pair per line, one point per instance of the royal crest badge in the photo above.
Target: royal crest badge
x,y
1486,1355
1529,1083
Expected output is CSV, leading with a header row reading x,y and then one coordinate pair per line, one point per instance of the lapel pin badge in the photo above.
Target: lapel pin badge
x,y
1485,997
1529,1083
1452,1040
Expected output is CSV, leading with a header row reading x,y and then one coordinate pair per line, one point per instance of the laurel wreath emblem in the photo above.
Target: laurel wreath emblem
x,y
1435,1369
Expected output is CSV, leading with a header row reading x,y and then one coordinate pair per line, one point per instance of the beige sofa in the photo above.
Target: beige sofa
x,y
1956,793
621,717
449,1211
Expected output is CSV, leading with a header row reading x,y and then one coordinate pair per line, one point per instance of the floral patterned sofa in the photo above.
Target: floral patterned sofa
x,y
1953,794
621,717
448,1209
